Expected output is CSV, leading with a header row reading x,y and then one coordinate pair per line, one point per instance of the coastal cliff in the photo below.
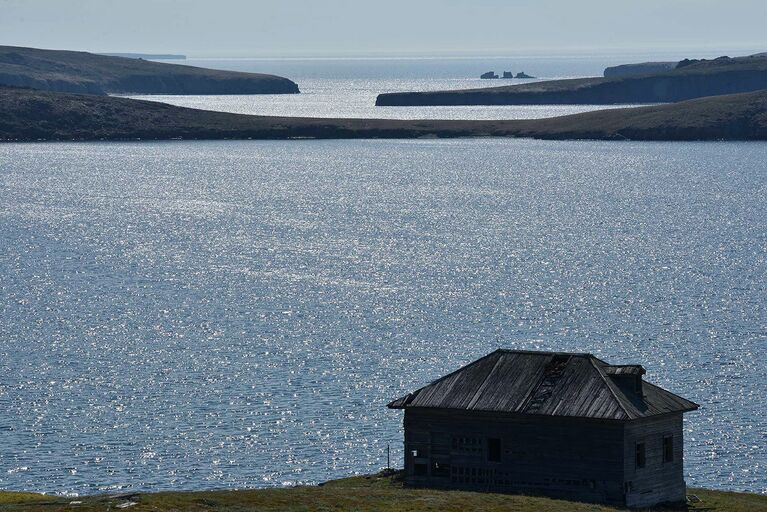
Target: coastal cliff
x,y
695,80
641,68
88,73
30,115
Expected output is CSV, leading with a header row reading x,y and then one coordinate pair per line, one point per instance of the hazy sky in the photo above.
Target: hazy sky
x,y
385,27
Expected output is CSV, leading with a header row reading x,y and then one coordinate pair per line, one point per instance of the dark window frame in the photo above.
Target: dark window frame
x,y
494,449
668,449
467,445
640,455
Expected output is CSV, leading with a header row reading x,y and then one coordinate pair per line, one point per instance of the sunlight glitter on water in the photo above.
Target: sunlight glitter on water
x,y
330,98
237,314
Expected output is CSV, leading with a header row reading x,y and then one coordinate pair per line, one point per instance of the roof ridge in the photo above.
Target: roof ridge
x,y
546,352
610,388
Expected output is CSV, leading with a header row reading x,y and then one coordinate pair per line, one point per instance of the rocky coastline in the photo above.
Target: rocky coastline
x,y
688,80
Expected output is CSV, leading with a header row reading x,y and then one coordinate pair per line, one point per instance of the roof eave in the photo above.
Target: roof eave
x,y
393,405
399,403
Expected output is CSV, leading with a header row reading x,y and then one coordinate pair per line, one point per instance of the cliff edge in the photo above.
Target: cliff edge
x,y
641,68
688,80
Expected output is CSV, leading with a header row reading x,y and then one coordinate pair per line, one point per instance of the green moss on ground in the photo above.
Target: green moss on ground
x,y
16,498
360,494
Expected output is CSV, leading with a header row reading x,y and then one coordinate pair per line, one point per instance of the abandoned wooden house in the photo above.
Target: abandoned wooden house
x,y
556,424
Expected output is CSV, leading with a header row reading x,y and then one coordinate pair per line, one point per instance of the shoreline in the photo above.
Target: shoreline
x,y
688,79
29,115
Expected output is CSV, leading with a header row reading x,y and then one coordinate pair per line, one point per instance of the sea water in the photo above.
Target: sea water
x,y
349,87
196,315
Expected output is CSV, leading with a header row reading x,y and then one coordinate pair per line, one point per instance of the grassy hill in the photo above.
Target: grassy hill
x,y
691,79
82,72
29,115
360,494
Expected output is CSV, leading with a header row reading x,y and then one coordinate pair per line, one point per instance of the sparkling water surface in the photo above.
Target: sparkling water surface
x,y
195,315
355,98
349,87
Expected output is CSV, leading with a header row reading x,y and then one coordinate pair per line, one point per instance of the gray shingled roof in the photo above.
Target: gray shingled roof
x,y
546,383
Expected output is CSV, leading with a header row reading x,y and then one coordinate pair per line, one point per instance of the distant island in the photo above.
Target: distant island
x,y
146,56
82,72
33,115
687,80
506,74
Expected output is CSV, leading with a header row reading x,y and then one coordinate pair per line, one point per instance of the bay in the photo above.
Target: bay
x,y
195,315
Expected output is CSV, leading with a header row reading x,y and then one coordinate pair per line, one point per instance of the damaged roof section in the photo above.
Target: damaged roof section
x,y
547,383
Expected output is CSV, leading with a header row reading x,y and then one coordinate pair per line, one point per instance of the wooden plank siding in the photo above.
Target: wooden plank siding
x,y
657,481
577,459
550,423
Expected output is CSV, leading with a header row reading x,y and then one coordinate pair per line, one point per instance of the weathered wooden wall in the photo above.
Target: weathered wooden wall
x,y
563,457
577,459
657,481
